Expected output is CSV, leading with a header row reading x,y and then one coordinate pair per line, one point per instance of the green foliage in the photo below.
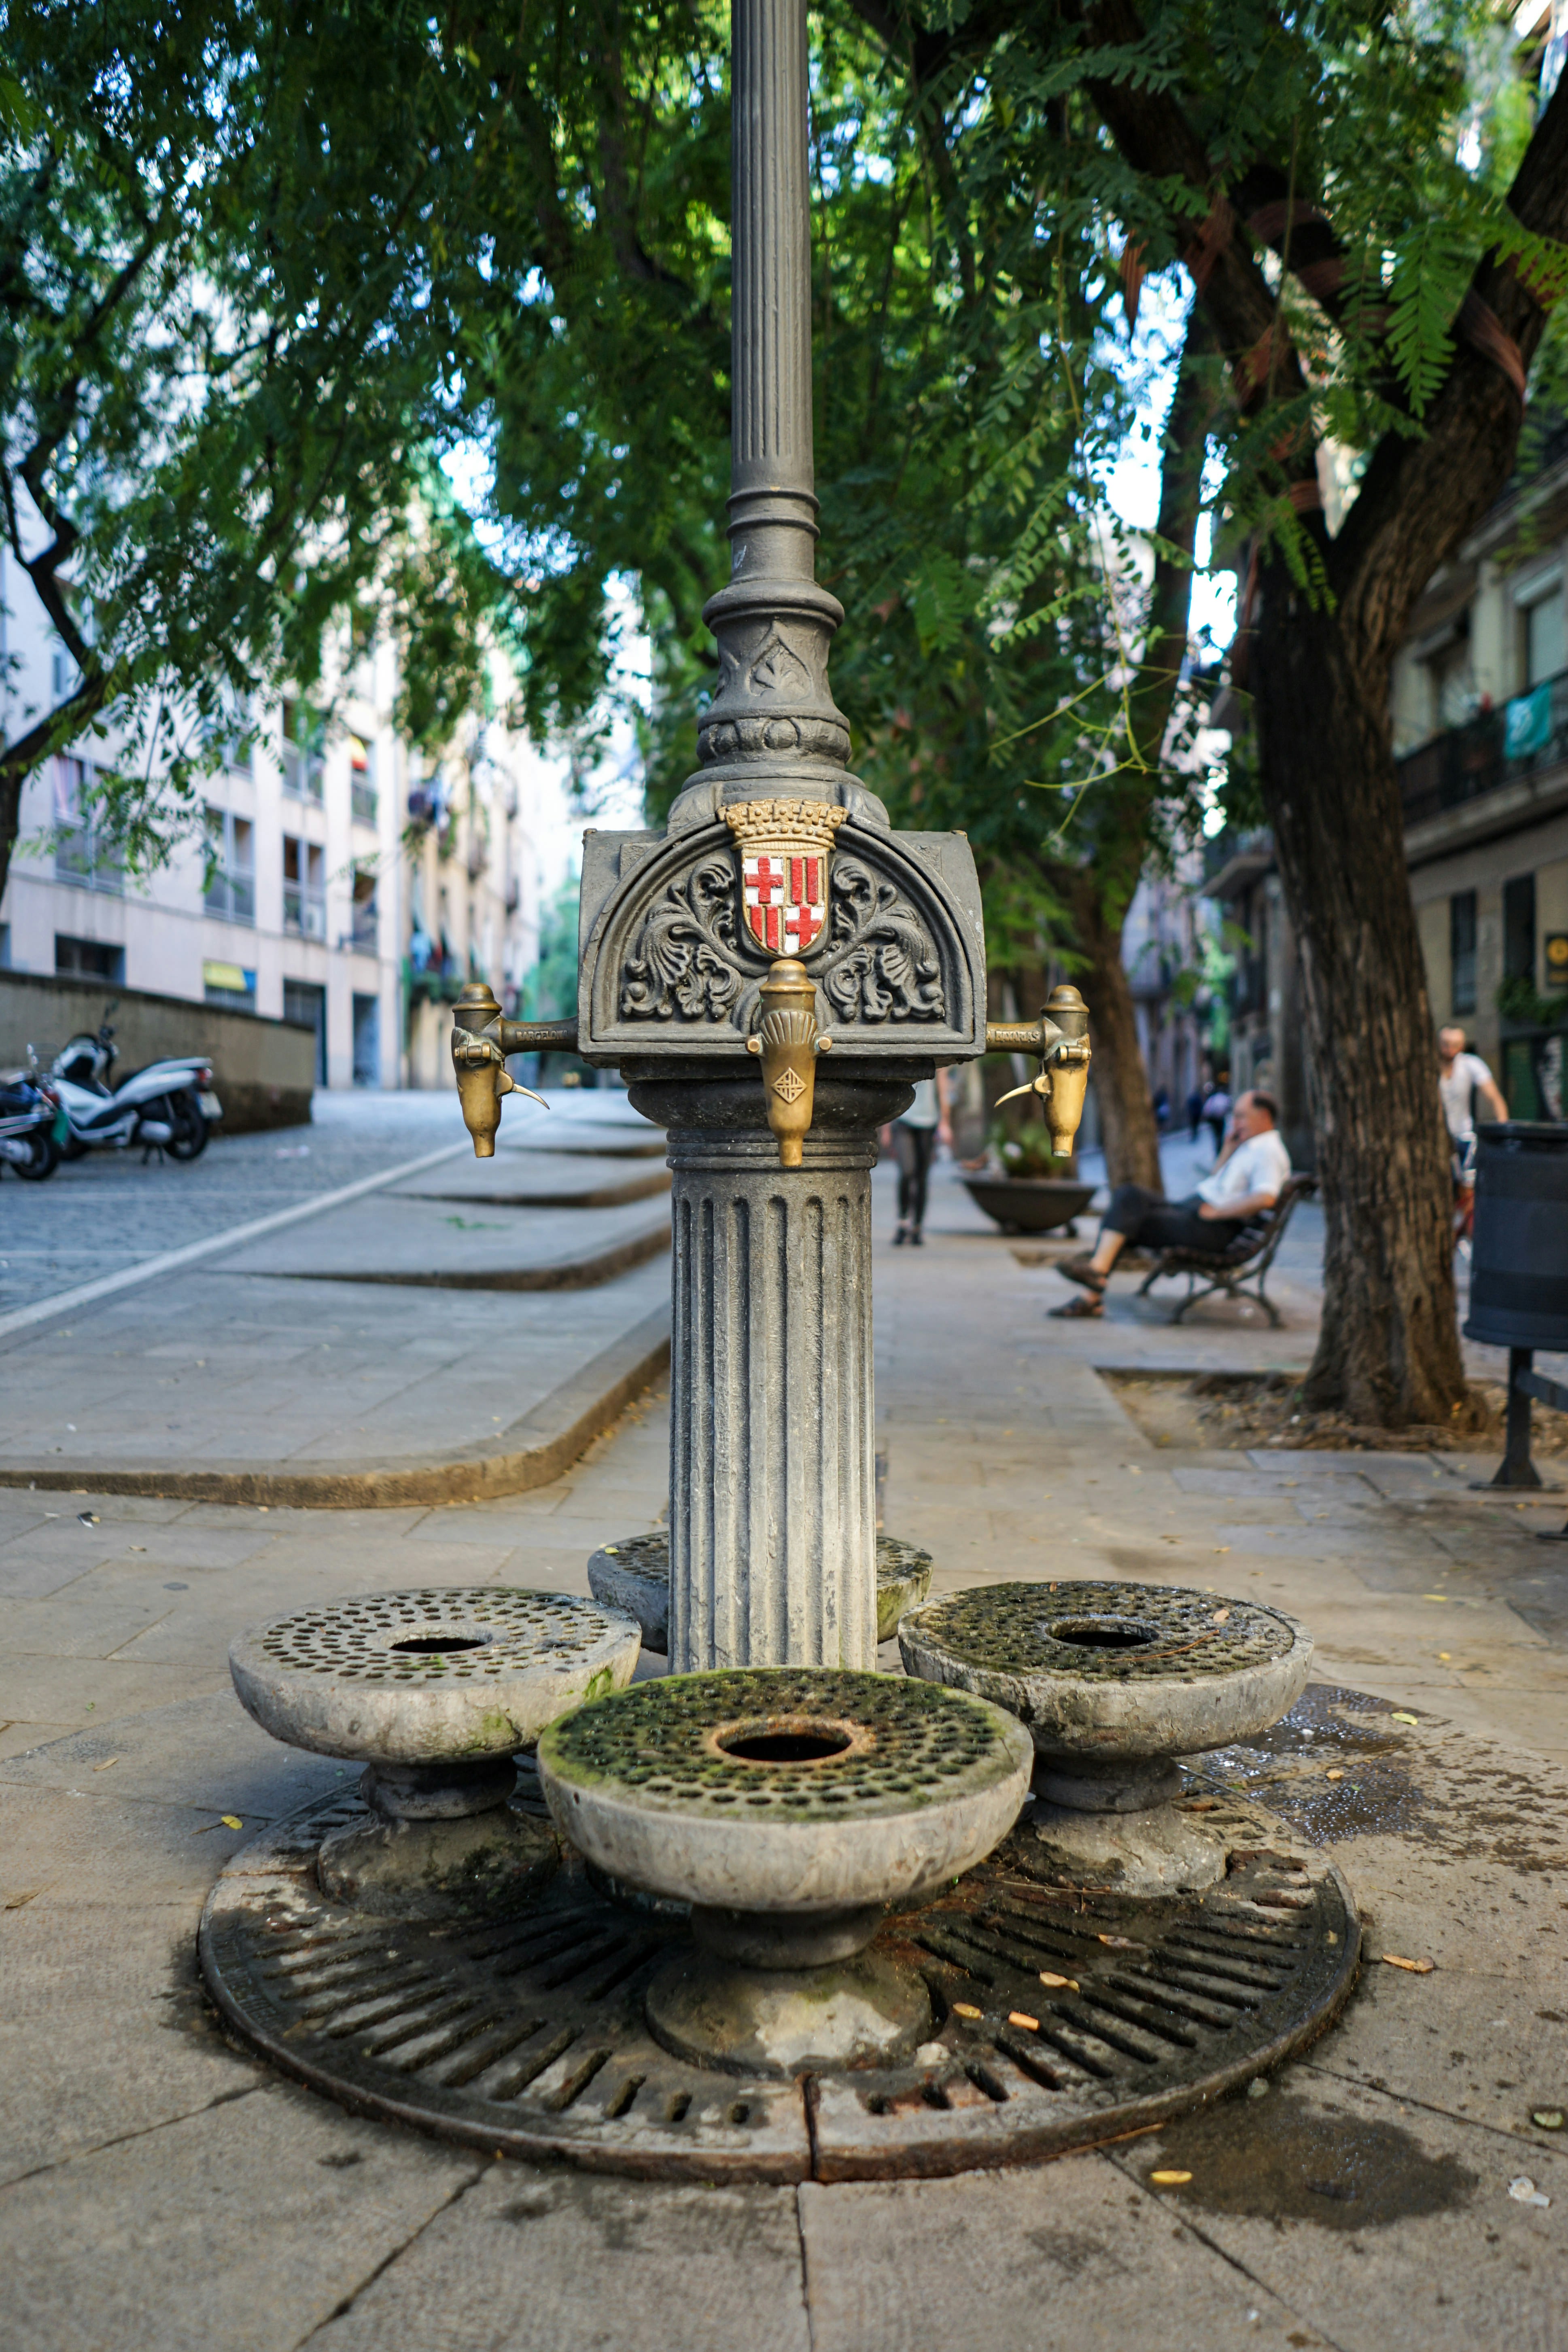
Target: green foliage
x,y
223,350
549,991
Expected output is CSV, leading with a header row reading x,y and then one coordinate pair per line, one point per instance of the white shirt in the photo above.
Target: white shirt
x,y
1262,1164
925,1110
1456,1084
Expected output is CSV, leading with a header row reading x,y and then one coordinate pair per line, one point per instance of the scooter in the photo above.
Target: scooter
x,y
32,1125
167,1107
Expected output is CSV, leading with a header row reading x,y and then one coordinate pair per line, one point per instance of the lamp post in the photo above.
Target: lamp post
x,y
778,920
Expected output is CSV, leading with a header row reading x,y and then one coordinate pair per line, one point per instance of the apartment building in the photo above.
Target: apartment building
x,y
1480,716
315,886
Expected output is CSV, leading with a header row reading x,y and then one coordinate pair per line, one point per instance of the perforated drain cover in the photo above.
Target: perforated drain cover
x,y
1066,2018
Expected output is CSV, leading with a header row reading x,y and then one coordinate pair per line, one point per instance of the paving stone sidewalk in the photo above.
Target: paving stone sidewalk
x,y
411,1345
159,2190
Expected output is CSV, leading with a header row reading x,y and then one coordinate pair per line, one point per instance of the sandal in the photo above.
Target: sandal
x,y
1078,1310
1081,1269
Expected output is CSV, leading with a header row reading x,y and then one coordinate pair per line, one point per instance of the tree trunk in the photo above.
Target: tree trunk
x,y
1121,1080
1388,1350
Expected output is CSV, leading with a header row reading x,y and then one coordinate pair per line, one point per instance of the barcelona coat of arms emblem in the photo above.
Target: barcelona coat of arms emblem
x,y
784,849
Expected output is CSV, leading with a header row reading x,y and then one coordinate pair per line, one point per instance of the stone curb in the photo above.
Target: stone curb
x,y
568,1273
537,1448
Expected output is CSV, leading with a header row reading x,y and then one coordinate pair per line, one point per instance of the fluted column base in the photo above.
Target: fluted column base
x,y
772,1537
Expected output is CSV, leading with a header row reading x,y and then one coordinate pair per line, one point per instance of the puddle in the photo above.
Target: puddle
x,y
1279,2158
1328,1729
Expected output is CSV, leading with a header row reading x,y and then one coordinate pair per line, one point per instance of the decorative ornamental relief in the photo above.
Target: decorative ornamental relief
x,y
697,953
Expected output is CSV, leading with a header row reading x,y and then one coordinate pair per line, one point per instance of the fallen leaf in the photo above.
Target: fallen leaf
x,y
1049,1977
138,1546
1547,2118
1220,1615
1016,2017
1417,1968
106,1763
1444,1657
1434,1596
1169,2179
966,2008
15,1902
1199,1805
88,1518
231,1821
1398,1717
1121,1943
1219,1548
1335,1772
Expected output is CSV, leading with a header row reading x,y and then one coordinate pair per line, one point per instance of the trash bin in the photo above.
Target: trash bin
x,y
1518,1256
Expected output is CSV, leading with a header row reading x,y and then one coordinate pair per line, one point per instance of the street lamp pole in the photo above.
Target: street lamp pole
x,y
771,975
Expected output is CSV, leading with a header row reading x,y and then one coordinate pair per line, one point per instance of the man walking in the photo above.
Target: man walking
x,y
1462,1077
1248,1176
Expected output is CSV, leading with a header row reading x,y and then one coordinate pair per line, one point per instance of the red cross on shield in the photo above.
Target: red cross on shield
x,y
785,894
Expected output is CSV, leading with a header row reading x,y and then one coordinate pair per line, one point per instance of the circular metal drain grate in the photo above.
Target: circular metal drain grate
x,y
1066,2018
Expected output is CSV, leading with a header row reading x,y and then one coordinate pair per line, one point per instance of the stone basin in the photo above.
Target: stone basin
x,y
634,1574
1115,1681
435,1691
789,1807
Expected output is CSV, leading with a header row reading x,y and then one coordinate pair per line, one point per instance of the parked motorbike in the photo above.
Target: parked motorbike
x,y
32,1125
169,1106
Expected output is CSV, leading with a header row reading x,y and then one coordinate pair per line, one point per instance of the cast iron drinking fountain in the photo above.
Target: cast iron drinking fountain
x,y
775,1914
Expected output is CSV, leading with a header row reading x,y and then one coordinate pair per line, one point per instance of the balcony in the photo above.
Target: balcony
x,y
1496,747
364,801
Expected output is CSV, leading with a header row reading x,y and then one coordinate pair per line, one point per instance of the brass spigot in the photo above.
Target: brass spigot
x,y
481,1039
1060,1038
789,1042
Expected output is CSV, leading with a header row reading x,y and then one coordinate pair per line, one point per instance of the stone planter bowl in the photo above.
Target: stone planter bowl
x,y
1029,1204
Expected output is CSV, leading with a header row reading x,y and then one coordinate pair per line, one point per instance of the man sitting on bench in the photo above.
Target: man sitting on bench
x,y
1247,1177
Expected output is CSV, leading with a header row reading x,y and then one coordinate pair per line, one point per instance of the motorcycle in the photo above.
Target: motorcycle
x,y
32,1126
168,1107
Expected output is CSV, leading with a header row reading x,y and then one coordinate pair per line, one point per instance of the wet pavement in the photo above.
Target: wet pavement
x,y
158,2187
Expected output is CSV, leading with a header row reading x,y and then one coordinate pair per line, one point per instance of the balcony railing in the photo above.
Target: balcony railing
x,y
364,934
365,801
80,857
304,912
304,772
1495,748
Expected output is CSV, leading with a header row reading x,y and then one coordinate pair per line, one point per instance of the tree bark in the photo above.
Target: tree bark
x,y
1388,1346
1388,1350
1127,1123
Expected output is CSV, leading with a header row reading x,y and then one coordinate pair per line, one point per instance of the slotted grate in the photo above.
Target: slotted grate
x,y
1063,2019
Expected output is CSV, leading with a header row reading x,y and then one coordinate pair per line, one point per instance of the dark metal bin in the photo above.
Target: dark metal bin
x,y
1519,1262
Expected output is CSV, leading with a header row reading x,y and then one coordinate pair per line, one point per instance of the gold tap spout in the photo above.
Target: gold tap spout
x,y
789,1042
1060,1038
481,1039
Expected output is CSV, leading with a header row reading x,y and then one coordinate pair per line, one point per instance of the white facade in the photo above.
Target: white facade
x,y
307,909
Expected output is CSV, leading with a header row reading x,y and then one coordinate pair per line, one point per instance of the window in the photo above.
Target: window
x,y
4,947
363,797
304,888
1462,951
1541,627
230,984
1452,686
305,1002
231,867
304,750
89,959
364,937
84,853
1519,929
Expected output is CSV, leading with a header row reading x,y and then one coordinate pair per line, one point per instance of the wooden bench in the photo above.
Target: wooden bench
x,y
1241,1269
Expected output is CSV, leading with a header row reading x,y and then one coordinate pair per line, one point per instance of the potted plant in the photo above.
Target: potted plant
x,y
1024,1188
